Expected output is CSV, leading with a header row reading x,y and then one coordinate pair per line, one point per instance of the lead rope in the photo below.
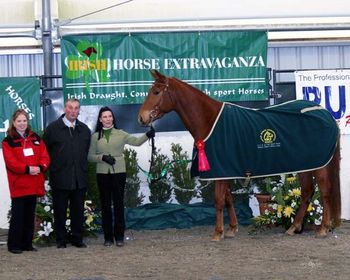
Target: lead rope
x,y
153,152
150,178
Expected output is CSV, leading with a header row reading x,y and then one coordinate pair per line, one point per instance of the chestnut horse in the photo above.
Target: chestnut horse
x,y
198,112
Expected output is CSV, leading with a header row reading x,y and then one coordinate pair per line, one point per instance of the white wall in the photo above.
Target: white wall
x,y
158,10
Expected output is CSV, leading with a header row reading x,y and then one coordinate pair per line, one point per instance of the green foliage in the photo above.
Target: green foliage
x,y
263,184
132,198
238,189
183,183
92,190
207,191
159,184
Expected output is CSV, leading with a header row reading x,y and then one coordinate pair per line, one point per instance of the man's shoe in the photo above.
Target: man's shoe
x,y
120,243
61,245
79,244
31,249
15,251
108,243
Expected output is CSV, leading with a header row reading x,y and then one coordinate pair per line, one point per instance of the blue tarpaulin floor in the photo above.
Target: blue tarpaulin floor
x,y
165,215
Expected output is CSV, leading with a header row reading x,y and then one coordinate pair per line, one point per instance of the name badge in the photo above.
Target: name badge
x,y
28,152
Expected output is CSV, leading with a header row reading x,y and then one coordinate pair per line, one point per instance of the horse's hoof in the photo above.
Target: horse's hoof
x,y
321,233
299,231
216,237
291,231
231,232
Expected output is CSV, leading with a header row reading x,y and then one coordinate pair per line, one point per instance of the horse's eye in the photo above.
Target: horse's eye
x,y
156,92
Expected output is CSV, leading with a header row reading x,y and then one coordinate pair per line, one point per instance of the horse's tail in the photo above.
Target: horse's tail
x,y
335,197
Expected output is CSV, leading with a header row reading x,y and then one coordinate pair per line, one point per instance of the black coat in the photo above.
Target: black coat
x,y
68,149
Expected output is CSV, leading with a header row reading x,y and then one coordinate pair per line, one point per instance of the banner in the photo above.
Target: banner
x,y
329,88
114,68
19,93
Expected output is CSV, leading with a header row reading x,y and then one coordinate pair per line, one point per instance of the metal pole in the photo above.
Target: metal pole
x,y
47,50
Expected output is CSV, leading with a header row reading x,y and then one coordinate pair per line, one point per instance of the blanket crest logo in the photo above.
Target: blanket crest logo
x,y
267,136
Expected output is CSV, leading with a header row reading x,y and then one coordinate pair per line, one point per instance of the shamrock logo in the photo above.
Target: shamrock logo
x,y
88,63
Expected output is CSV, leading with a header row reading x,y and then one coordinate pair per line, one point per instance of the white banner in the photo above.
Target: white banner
x,y
330,89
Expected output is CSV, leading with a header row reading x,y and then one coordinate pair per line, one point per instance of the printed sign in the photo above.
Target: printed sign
x,y
19,93
328,88
114,68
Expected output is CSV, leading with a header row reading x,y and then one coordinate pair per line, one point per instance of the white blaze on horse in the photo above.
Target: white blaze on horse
x,y
236,142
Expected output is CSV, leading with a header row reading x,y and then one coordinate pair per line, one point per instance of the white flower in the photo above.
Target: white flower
x,y
47,208
274,206
47,229
316,202
68,222
274,189
293,204
318,222
47,186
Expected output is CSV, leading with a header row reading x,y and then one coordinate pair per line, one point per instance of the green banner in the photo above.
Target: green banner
x,y
19,93
114,68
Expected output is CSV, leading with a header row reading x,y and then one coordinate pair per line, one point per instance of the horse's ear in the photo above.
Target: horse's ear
x,y
157,75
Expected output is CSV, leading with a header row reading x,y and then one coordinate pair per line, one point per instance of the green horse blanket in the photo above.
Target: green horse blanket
x,y
291,137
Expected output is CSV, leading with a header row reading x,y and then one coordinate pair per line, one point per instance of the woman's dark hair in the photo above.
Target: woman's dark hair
x,y
99,125
11,131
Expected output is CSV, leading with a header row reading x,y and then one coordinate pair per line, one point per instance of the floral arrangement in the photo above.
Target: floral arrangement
x,y
44,232
285,201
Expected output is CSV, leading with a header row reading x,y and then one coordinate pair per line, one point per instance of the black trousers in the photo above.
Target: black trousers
x,y
21,231
74,199
111,188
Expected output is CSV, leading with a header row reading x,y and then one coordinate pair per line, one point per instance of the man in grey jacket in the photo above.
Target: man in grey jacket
x,y
68,140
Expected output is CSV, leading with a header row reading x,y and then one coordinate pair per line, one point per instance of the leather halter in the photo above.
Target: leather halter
x,y
156,108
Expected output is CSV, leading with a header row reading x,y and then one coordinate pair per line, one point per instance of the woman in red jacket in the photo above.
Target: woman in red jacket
x,y
26,160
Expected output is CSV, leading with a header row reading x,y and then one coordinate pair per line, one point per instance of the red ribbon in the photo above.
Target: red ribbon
x,y
203,164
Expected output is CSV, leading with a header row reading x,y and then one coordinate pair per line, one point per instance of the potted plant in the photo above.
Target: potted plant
x,y
264,186
285,201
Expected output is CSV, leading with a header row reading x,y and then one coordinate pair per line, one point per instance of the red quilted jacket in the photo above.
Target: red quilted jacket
x,y
21,183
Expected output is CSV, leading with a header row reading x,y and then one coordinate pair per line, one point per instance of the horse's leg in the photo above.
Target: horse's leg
x,y
220,191
233,225
307,190
322,179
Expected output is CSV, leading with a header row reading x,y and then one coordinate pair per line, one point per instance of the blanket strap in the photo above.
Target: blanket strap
x,y
247,179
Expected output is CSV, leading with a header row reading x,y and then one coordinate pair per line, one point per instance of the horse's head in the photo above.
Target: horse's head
x,y
158,101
